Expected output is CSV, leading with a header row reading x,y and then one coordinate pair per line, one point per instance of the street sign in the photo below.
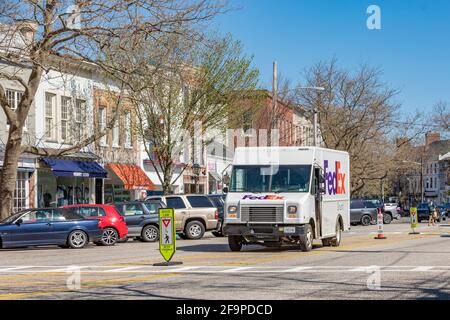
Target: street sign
x,y
167,239
414,219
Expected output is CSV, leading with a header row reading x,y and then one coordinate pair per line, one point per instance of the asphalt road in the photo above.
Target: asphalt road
x,y
403,266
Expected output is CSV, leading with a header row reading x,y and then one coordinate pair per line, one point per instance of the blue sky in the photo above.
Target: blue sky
x,y
413,47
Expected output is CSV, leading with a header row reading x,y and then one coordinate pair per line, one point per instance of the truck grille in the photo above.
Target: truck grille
x,y
262,214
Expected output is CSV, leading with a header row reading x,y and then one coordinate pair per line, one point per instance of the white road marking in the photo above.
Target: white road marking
x,y
298,269
15,268
238,269
221,269
126,269
422,269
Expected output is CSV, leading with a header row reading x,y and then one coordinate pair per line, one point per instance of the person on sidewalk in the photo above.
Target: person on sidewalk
x,y
434,214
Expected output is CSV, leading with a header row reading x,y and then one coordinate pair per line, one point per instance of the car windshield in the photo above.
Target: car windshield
x,y
258,178
12,218
423,206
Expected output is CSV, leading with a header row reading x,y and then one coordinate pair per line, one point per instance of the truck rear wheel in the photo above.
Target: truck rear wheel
x,y
306,240
336,241
235,243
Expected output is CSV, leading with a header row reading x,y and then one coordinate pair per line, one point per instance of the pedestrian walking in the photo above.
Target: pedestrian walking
x,y
434,214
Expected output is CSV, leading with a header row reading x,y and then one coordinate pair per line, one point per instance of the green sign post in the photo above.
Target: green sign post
x,y
167,235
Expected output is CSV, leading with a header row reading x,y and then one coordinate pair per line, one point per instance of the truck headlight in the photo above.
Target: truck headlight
x,y
292,209
292,212
232,212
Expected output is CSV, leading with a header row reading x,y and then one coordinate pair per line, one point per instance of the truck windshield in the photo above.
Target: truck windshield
x,y
283,178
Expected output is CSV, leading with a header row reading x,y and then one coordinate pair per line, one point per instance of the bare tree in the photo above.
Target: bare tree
x,y
441,116
39,36
199,82
356,114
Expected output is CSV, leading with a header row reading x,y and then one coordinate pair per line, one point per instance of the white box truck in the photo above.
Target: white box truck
x,y
287,195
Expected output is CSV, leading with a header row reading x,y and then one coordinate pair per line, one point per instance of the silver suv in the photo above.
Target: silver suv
x,y
194,214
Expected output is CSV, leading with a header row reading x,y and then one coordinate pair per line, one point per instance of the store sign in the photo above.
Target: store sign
x,y
81,174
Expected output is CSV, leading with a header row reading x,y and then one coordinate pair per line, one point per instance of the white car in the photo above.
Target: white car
x,y
393,209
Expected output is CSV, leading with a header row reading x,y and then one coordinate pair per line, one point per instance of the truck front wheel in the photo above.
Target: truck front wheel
x,y
235,243
306,240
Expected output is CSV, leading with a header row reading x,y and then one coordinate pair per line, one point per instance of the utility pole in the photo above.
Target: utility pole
x,y
274,112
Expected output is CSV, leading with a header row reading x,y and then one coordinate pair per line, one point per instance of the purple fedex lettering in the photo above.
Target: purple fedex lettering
x,y
335,180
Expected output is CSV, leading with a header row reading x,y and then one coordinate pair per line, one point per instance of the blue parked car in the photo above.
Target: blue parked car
x,y
38,227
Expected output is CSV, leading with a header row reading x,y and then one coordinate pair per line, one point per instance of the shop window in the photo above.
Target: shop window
x,y
80,108
128,142
102,124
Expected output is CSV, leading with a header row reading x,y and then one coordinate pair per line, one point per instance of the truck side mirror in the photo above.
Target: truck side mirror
x,y
321,179
321,190
225,190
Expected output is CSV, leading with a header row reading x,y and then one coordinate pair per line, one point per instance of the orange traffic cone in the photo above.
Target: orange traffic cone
x,y
380,235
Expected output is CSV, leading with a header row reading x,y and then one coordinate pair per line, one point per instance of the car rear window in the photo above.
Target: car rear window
x,y
200,202
176,203
91,212
216,201
67,215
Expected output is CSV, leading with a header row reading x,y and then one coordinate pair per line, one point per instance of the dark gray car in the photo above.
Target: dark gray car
x,y
142,219
362,212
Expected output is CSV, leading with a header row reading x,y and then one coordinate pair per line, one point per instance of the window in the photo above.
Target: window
x,y
37,216
91,212
65,112
356,205
133,210
200,202
152,207
49,115
175,203
102,124
127,128
80,107
13,97
115,130
21,192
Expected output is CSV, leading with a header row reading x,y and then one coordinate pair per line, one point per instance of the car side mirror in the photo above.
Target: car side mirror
x,y
19,222
225,190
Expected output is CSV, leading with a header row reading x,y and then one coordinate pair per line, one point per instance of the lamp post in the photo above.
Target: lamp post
x,y
315,111
196,170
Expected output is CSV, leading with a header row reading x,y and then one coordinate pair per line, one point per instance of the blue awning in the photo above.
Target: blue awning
x,y
72,168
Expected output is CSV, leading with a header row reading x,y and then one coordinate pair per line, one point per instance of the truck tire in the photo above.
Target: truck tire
x,y
366,220
306,240
194,230
235,243
336,241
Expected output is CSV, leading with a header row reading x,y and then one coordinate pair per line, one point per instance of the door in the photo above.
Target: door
x,y
318,202
35,229
181,211
356,209
61,227
133,214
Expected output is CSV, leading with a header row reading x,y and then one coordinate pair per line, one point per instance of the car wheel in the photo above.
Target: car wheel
x,y
150,233
109,237
235,243
387,219
366,220
194,230
77,239
306,240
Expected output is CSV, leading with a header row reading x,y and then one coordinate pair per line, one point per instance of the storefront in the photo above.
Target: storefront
x,y
63,182
126,182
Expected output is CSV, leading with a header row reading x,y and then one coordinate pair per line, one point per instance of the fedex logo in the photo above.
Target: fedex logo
x,y
334,181
266,197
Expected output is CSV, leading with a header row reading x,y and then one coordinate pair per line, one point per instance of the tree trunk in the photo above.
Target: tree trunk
x,y
8,173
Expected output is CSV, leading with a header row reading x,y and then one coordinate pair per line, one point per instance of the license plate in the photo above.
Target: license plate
x,y
289,229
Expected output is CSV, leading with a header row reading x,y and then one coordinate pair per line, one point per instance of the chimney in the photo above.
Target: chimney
x,y
431,137
27,28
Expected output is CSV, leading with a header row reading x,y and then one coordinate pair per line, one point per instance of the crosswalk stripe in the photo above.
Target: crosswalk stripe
x,y
123,269
422,269
14,268
181,269
298,269
237,269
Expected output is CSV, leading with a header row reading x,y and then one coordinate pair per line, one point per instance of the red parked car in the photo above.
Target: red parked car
x,y
112,223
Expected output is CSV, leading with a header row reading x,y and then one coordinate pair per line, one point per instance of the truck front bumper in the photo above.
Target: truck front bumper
x,y
264,232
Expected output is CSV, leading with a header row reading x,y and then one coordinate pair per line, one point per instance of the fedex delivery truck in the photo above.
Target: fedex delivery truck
x,y
287,195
